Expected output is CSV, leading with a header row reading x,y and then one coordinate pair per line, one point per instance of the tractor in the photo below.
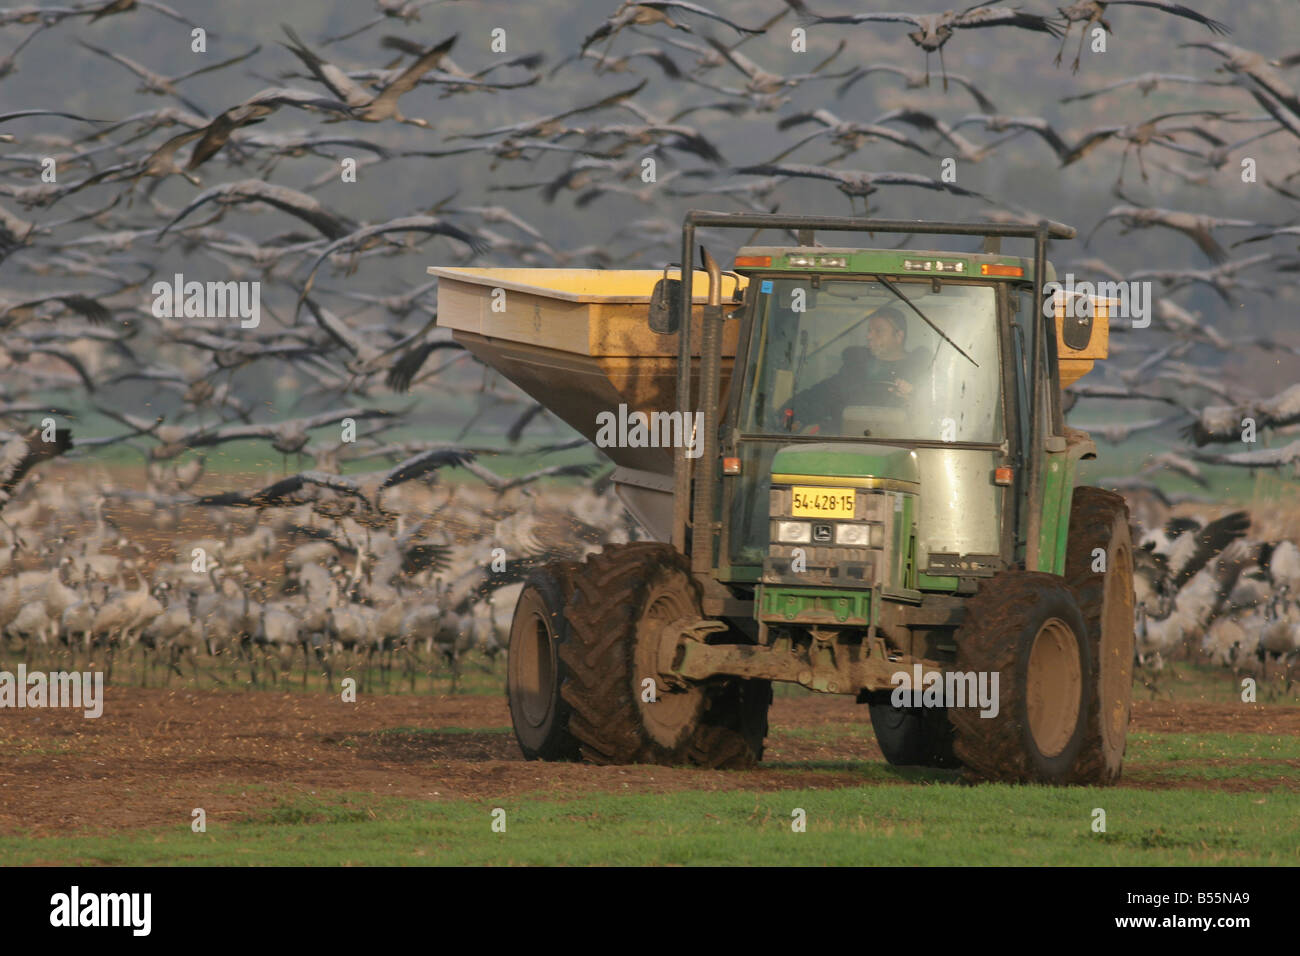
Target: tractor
x,y
852,473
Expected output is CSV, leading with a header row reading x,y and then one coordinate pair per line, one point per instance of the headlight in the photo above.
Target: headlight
x,y
795,532
853,534
860,535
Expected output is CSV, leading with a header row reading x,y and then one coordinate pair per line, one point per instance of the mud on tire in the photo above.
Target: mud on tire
x,y
1025,627
715,724
1099,520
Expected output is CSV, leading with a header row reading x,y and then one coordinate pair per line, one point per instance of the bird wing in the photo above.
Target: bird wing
x,y
1044,130
1090,141
1282,409
19,114
22,453
1288,117
702,11
489,477
1206,242
985,104
217,66
1178,10
860,17
555,471
69,359
866,71
981,16
516,429
408,365
338,330
83,305
335,80
925,182
337,415
430,224
1262,458
296,204
130,64
425,462
793,169
738,60
406,80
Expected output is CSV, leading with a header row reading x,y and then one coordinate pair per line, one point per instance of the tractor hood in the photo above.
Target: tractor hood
x,y
889,463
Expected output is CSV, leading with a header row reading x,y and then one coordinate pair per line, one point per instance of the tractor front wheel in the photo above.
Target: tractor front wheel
x,y
1024,629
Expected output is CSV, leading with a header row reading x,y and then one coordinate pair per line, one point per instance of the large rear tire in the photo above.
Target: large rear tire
x,y
735,725
1099,524
1025,627
622,599
535,671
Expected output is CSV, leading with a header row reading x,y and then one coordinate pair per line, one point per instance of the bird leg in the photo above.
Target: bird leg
x,y
1064,39
943,70
1083,35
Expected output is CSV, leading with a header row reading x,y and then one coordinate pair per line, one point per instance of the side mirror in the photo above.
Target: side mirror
x,y
1076,332
1077,319
665,306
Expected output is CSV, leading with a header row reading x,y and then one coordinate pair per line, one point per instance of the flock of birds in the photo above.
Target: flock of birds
x,y
322,574
1208,587
239,190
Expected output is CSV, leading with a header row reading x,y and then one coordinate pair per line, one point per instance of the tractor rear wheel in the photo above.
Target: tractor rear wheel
x,y
735,725
1099,531
534,670
1025,628
912,736
623,709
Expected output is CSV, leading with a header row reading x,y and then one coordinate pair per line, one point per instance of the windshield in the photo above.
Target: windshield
x,y
851,359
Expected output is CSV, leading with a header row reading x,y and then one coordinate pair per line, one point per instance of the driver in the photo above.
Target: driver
x,y
882,373
890,364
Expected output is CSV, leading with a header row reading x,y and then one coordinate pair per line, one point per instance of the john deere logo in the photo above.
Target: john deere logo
x,y
821,532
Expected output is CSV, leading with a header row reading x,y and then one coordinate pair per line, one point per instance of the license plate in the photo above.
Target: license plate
x,y
822,503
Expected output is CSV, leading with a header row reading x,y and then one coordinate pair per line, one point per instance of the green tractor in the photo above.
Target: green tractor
x,y
856,476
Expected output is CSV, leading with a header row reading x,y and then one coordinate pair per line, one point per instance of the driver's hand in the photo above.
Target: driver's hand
x,y
901,387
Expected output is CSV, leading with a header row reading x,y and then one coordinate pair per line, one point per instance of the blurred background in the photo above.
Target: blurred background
x,y
531,152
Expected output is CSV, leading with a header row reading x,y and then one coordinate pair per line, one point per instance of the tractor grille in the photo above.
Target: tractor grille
x,y
862,564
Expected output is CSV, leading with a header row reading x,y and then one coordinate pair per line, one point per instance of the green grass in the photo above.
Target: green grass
x,y
1154,748
945,825
900,816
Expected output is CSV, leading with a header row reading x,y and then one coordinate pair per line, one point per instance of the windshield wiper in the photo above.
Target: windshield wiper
x,y
890,286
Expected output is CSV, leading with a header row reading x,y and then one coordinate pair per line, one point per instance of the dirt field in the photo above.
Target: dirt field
x,y
155,755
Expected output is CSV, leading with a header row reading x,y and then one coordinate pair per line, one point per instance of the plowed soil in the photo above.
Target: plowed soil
x,y
156,754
